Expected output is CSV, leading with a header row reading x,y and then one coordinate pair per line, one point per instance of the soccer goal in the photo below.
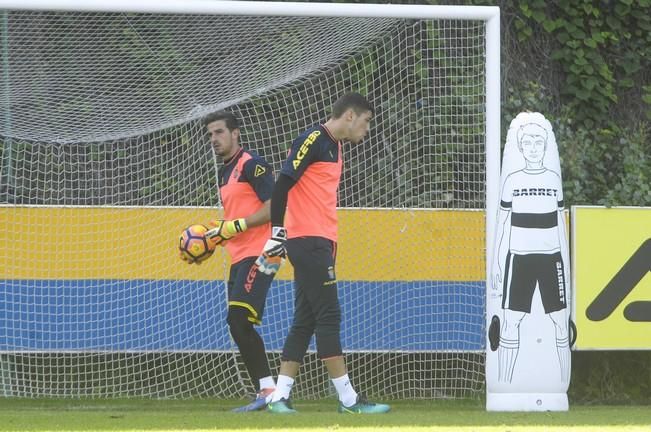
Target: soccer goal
x,y
104,161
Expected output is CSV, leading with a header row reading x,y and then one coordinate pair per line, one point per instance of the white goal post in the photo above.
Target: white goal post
x,y
104,160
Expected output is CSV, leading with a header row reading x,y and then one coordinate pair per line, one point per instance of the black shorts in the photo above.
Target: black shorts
x,y
316,303
313,259
248,288
521,274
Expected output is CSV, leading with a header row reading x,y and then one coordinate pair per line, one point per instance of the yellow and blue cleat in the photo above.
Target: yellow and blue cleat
x,y
363,406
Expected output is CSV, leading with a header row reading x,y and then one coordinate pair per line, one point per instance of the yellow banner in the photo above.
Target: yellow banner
x,y
612,284
141,243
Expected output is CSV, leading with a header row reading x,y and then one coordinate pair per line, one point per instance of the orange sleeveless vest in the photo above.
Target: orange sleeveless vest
x,y
312,201
240,200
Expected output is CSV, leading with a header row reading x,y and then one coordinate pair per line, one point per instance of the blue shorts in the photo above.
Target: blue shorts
x,y
248,288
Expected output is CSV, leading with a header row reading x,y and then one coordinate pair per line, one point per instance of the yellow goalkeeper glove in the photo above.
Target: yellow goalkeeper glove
x,y
224,230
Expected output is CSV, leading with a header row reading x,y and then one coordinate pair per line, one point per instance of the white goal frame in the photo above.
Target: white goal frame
x,y
490,15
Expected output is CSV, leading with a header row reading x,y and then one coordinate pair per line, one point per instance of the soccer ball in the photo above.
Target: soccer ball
x,y
194,246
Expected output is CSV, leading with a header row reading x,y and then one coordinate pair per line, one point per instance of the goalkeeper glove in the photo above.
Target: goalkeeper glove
x,y
224,230
274,253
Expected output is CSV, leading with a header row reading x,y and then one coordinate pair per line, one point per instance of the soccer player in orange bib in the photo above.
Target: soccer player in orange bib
x,y
304,227
245,185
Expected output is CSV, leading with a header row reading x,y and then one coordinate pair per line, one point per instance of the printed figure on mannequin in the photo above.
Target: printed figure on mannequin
x,y
532,251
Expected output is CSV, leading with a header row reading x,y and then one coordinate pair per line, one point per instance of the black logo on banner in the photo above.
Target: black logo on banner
x,y
620,286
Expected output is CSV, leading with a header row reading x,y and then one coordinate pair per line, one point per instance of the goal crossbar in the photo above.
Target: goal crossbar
x,y
260,8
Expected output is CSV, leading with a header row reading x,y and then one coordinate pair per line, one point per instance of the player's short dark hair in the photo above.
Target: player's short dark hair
x,y
354,101
229,118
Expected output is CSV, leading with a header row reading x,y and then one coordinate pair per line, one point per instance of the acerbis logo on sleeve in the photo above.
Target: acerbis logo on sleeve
x,y
302,151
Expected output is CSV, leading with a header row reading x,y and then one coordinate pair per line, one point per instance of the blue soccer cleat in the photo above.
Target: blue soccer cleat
x,y
257,404
282,406
363,406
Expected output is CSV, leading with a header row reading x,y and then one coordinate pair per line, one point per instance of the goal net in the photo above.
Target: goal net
x,y
104,161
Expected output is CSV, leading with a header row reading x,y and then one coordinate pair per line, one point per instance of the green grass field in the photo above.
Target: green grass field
x,y
213,415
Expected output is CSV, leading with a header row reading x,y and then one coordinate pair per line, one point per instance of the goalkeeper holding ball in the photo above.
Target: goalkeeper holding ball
x,y
306,190
245,185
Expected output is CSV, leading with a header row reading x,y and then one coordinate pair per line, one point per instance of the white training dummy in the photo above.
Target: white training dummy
x,y
527,301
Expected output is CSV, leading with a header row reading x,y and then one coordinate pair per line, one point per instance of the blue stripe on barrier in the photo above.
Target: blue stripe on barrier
x,y
169,315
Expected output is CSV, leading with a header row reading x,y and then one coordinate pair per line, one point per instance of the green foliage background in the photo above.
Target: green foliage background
x,y
586,65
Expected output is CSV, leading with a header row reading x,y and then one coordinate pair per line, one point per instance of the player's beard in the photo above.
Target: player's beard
x,y
223,150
